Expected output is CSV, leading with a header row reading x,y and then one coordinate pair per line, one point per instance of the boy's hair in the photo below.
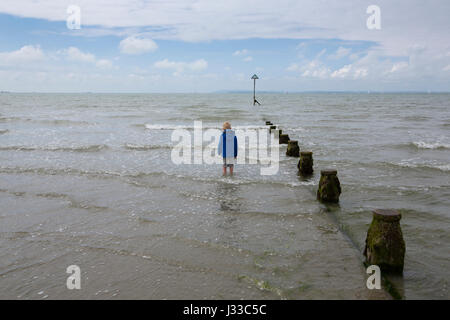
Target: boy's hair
x,y
226,125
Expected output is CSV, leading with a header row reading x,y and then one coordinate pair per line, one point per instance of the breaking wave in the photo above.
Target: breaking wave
x,y
191,127
89,148
137,147
431,145
60,122
407,164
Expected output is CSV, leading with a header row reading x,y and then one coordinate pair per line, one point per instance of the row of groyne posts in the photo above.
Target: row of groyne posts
x,y
385,246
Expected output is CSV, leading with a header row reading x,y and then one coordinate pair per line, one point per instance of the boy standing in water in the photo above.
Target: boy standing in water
x,y
228,147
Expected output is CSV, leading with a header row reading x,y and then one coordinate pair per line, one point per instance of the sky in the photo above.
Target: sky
x,y
217,45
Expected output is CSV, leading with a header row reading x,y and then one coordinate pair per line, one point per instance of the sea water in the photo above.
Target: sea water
x,y
87,180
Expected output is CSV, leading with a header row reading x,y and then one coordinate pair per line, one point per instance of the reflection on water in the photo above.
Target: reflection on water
x,y
228,197
230,231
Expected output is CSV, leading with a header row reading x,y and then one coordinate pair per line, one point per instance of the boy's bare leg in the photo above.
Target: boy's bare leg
x,y
231,170
224,171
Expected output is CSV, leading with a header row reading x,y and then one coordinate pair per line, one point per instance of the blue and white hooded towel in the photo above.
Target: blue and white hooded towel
x,y
228,145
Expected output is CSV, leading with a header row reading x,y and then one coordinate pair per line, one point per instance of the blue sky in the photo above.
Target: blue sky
x,y
206,46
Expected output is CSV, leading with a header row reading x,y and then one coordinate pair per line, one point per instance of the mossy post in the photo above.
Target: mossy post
x,y
385,246
284,139
293,150
273,128
305,164
329,187
268,123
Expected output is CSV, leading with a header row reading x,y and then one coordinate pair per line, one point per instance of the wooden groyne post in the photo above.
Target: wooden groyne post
x,y
305,164
385,246
284,138
329,187
293,150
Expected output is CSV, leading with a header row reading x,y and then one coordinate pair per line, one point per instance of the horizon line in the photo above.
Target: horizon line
x,y
223,92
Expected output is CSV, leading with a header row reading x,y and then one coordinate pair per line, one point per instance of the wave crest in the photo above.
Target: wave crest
x,y
191,127
441,167
431,145
137,147
89,148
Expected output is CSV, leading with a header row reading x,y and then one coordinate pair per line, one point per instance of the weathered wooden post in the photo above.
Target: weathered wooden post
x,y
272,128
293,150
268,123
284,138
329,186
385,246
305,164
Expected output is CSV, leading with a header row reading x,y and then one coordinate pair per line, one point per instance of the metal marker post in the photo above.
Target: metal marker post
x,y
254,89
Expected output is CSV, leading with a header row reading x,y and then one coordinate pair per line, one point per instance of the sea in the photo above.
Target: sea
x,y
89,180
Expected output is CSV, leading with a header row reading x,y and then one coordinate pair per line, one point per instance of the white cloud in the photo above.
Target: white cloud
x,y
377,69
178,66
315,69
360,73
203,20
319,70
354,56
26,54
137,45
75,54
104,64
399,66
198,65
243,53
342,72
240,52
340,53
425,45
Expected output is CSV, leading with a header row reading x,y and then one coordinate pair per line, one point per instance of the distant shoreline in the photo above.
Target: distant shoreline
x,y
232,92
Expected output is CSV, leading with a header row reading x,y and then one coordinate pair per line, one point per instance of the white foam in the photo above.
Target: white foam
x,y
431,145
218,127
408,164
445,167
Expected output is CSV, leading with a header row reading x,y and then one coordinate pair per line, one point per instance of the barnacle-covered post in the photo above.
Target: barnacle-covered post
x,y
385,246
329,186
305,164
293,150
